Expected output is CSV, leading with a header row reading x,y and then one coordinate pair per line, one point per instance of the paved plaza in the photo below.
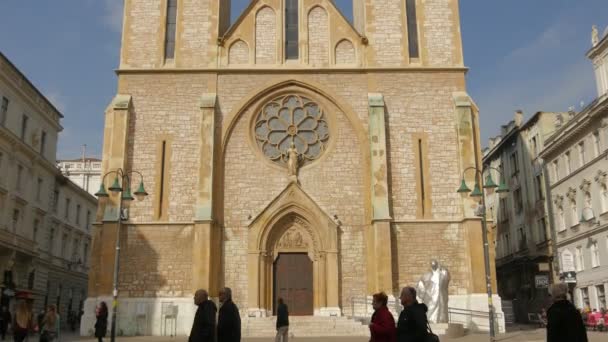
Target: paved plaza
x,y
523,335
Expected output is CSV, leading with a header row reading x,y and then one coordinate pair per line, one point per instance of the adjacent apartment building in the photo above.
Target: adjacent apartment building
x,y
576,156
85,172
520,222
45,219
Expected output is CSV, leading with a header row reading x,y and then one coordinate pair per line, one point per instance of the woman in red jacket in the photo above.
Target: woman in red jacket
x,y
382,327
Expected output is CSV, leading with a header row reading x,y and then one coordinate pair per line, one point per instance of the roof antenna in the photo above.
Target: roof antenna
x,y
84,152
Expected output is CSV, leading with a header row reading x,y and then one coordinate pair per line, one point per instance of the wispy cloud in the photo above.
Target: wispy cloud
x,y
550,39
113,12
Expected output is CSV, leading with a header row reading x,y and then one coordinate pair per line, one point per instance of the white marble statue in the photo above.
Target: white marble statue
x,y
432,290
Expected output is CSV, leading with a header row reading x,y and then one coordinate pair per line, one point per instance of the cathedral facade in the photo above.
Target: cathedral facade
x,y
288,154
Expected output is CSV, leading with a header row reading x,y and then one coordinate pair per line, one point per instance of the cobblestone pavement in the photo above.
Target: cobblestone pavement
x,y
524,335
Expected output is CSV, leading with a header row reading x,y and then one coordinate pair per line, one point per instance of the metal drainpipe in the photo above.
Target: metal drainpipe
x,y
554,264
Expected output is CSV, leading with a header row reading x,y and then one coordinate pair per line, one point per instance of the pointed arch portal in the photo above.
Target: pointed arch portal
x,y
293,235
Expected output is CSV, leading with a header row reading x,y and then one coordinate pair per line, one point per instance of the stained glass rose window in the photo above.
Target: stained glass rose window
x,y
292,119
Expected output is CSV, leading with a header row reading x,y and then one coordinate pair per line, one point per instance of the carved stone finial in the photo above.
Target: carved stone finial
x,y
595,36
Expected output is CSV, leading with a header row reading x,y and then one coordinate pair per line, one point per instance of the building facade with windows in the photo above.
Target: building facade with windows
x,y
577,160
289,147
84,172
45,220
520,221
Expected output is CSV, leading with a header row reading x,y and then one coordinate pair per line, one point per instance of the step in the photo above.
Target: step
x,y
304,326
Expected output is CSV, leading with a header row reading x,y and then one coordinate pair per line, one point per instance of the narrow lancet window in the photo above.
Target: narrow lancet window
x,y
161,192
412,28
170,29
291,29
421,180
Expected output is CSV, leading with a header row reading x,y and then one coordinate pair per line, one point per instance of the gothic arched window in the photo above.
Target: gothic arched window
x,y
292,119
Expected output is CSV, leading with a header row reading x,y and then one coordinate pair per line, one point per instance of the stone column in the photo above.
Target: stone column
x,y
206,249
114,157
470,156
379,236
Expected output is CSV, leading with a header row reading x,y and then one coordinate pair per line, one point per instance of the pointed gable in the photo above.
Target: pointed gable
x,y
323,33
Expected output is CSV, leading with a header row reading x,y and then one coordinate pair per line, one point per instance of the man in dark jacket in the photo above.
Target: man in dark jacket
x,y
203,327
282,322
412,324
229,319
564,322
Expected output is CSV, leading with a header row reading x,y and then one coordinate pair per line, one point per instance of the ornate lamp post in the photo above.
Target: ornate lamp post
x,y
121,187
477,193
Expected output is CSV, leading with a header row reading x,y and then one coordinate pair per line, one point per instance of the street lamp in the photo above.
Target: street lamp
x,y
479,193
121,187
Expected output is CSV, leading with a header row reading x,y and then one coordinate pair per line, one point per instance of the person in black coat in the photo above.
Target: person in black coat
x,y
412,323
101,322
229,319
203,327
282,322
564,322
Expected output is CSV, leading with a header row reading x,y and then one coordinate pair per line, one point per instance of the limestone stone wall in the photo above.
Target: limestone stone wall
x,y
318,37
422,102
239,53
416,244
141,47
345,53
156,261
385,33
196,48
335,183
265,36
165,107
438,27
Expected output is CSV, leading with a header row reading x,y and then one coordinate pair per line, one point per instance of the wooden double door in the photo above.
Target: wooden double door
x,y
293,282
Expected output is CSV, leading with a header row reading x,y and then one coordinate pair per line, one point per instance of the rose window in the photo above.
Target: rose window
x,y
292,119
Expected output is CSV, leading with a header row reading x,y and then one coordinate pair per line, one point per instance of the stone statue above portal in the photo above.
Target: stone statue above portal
x,y
432,290
292,162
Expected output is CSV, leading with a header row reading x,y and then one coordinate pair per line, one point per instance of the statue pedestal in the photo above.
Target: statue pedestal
x,y
452,330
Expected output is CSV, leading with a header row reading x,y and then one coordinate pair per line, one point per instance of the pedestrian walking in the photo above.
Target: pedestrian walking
x,y
22,324
203,327
229,319
50,325
412,324
382,328
282,321
5,320
564,323
101,321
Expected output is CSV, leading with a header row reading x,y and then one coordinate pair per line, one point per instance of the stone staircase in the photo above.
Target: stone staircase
x,y
304,326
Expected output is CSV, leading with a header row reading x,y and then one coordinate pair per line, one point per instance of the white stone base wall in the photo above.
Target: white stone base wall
x,y
142,316
477,302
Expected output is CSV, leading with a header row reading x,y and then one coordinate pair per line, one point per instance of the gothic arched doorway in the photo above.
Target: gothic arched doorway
x,y
291,233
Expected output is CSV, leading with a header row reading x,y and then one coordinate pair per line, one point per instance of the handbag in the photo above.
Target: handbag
x,y
431,337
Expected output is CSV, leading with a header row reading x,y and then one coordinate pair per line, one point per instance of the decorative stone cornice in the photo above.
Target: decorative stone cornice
x,y
571,194
585,185
601,177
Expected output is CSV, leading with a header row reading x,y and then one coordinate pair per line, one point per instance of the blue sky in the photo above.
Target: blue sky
x,y
522,54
